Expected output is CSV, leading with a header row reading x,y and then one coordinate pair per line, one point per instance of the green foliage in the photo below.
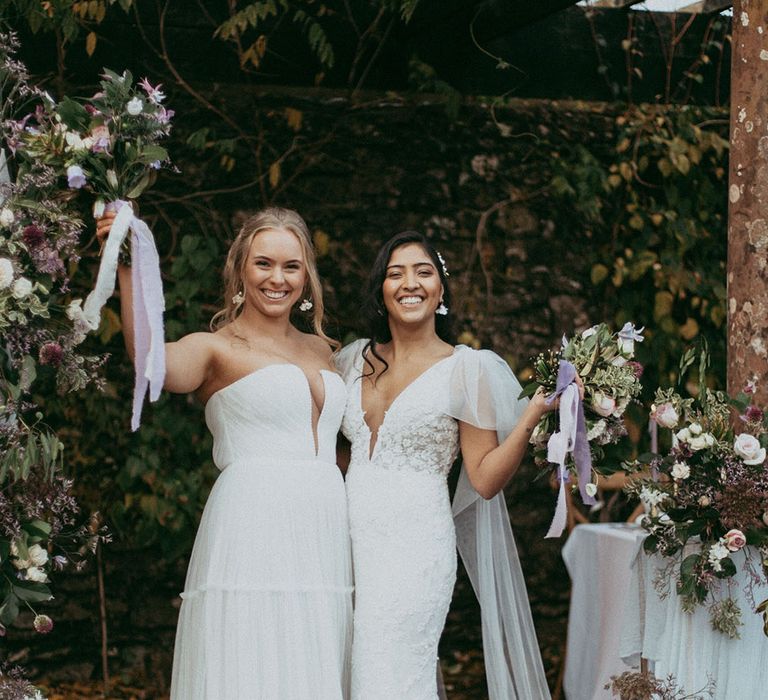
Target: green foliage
x,y
656,209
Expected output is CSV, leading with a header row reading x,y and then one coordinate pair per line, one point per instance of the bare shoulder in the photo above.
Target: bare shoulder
x,y
204,342
318,346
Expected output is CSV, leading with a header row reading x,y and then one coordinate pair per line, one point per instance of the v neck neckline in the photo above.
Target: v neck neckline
x,y
373,437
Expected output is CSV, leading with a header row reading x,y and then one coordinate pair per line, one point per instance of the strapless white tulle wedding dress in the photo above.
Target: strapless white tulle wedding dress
x,y
267,605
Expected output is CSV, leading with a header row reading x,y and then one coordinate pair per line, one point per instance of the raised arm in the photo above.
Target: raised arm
x,y
187,361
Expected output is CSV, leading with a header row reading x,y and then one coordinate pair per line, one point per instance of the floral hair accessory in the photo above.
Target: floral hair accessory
x,y
442,262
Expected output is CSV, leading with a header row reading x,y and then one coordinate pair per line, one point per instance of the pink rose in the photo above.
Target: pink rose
x,y
602,404
665,415
735,540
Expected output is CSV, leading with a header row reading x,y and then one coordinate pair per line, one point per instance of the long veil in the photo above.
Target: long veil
x,y
483,392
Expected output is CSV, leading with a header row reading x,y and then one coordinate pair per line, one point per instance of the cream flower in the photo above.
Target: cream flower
x,y
749,449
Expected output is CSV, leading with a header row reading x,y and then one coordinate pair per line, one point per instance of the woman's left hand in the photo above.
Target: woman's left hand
x,y
539,399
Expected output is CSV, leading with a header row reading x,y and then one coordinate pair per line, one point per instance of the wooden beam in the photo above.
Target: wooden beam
x,y
613,3
748,201
706,7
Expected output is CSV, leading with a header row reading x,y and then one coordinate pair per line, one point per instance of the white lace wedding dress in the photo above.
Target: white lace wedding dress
x,y
404,538
267,608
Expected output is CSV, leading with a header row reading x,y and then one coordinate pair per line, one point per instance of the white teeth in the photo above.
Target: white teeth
x,y
274,295
408,301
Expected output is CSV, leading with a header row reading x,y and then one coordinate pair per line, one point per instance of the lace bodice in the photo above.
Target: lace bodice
x,y
415,434
262,413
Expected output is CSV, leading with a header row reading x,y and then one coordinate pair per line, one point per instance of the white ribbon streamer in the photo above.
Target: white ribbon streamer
x,y
148,302
559,445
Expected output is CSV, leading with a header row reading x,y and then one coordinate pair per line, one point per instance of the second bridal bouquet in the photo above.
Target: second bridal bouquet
x,y
571,440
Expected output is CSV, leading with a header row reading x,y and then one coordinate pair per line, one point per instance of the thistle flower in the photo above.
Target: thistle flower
x,y
51,354
33,236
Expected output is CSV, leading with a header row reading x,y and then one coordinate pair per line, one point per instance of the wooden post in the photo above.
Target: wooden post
x,y
748,201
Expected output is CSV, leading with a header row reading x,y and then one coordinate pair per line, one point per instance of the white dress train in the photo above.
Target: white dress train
x,y
404,538
267,604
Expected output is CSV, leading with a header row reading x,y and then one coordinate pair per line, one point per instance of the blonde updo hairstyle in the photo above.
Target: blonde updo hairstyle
x,y
237,259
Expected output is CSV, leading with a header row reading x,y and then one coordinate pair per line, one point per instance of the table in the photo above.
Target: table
x,y
598,559
685,645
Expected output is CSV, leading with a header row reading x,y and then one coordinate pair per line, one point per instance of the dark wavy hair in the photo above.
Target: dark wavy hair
x,y
374,313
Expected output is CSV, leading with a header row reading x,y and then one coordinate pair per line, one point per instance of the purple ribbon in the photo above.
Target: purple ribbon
x,y
582,458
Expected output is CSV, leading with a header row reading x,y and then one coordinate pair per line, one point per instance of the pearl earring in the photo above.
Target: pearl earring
x,y
442,310
306,305
238,299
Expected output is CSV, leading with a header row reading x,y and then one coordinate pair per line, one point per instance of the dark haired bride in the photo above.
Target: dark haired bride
x,y
414,401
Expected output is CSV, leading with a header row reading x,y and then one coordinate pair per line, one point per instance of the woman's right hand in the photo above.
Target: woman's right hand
x,y
104,225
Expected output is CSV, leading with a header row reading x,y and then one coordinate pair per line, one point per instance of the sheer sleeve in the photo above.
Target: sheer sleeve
x,y
483,392
347,360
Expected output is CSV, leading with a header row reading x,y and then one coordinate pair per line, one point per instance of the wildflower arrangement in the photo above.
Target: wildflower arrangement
x,y
710,487
41,328
605,362
108,144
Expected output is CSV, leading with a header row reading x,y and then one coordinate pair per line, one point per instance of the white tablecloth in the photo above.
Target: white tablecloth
x,y
598,558
685,645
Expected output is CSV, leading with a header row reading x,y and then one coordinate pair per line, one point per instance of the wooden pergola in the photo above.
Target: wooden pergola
x,y
747,270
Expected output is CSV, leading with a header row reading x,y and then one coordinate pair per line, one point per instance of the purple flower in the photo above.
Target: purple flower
x,y
51,354
164,115
153,93
753,414
43,624
75,177
155,165
33,236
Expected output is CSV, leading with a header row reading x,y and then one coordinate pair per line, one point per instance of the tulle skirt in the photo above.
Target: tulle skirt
x,y
267,607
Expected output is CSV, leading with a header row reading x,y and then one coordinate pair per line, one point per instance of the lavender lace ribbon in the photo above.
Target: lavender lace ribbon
x,y
572,437
148,302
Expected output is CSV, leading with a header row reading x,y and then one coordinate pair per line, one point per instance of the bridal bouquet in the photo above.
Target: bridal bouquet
x,y
611,377
108,144
573,438
711,488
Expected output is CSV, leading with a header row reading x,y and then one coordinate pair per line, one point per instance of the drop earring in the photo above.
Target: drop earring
x,y
442,310
306,305
238,299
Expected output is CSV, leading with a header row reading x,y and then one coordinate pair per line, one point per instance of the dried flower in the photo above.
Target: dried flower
x,y
43,624
33,236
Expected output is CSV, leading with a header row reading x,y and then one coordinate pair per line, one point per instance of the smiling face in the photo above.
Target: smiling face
x,y
275,274
412,289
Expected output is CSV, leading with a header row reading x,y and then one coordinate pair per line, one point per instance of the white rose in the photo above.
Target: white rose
x,y
6,217
602,404
701,442
591,489
695,428
626,346
36,575
37,555
6,273
748,448
704,501
74,142
665,415
75,310
134,106
22,287
680,470
683,435
619,361
589,332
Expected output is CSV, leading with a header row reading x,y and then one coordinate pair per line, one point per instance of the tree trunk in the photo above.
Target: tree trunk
x,y
748,201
